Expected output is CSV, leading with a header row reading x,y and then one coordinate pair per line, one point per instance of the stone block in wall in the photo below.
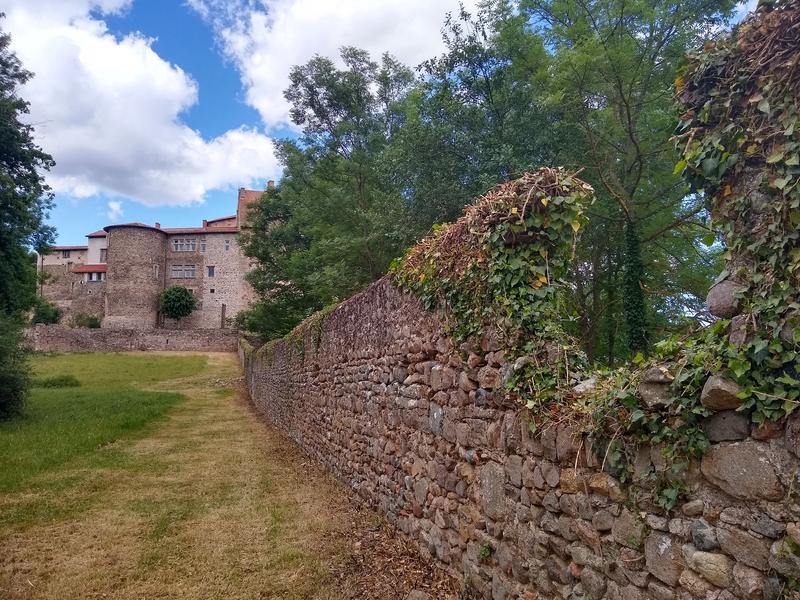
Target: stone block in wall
x,y
663,557
727,426
723,299
743,470
491,480
785,559
720,393
749,549
628,529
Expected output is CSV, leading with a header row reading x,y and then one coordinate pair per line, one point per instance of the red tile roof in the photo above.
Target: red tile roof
x,y
90,268
174,230
97,234
59,248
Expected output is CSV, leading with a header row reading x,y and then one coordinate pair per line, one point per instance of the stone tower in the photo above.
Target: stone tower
x,y
136,275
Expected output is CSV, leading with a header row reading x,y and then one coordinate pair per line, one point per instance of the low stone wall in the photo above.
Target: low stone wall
x,y
378,393
56,338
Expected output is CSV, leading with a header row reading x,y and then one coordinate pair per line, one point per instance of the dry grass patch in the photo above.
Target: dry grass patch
x,y
210,503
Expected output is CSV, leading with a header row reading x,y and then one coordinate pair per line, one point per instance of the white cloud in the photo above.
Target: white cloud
x,y
265,38
108,110
115,211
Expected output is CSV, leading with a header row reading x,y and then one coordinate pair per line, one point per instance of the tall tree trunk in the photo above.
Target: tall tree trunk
x,y
633,295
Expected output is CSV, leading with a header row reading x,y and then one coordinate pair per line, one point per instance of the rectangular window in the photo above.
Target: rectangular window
x,y
103,255
203,245
182,271
210,270
97,277
65,253
184,244
227,245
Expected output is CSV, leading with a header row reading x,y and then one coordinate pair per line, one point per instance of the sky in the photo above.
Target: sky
x,y
159,110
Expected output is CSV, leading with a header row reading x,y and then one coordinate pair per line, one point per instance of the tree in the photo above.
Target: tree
x,y
24,203
471,120
335,223
177,302
613,65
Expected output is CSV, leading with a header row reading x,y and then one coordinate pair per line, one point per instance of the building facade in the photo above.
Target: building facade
x,y
120,274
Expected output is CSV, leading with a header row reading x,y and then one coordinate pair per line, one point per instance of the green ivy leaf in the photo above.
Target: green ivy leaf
x,y
775,156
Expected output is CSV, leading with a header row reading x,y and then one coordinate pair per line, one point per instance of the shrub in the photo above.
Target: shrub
x,y
58,381
177,302
45,312
84,320
14,378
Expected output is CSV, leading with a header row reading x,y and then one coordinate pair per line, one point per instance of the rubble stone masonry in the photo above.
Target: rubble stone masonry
x,y
57,338
416,427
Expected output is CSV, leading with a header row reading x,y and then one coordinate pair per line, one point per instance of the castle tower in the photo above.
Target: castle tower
x,y
136,275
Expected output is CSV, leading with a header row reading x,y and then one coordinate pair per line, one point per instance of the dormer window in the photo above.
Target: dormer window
x,y
184,244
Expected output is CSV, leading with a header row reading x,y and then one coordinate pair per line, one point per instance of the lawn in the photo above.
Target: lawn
x,y
61,424
153,478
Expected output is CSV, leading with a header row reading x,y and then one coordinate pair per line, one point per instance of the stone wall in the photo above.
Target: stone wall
x,y
56,338
419,429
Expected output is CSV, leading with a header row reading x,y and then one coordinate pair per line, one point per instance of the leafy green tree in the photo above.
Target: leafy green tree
x,y
14,372
45,312
177,302
613,66
471,121
24,202
335,223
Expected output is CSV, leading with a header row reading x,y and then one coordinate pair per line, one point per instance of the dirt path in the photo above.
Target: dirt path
x,y
210,503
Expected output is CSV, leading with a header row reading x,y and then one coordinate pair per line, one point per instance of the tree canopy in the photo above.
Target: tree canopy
x,y
177,302
384,154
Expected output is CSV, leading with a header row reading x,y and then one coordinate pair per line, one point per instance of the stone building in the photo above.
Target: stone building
x,y
120,274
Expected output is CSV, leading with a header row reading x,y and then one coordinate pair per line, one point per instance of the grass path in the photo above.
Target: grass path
x,y
209,502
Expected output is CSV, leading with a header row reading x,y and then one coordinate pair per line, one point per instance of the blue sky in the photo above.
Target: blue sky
x,y
220,107
158,110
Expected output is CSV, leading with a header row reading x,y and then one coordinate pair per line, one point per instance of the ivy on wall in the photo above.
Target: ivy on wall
x,y
500,267
740,140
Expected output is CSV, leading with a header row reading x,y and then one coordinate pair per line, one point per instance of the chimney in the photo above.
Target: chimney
x,y
205,223
270,184
158,225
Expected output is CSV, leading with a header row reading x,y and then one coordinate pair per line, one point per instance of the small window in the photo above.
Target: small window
x,y
184,244
182,271
203,245
210,269
155,271
227,245
212,290
103,255
68,253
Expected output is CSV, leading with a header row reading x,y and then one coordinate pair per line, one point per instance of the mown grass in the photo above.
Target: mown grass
x,y
60,424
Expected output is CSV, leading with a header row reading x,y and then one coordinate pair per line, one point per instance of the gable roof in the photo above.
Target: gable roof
x,y
221,219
